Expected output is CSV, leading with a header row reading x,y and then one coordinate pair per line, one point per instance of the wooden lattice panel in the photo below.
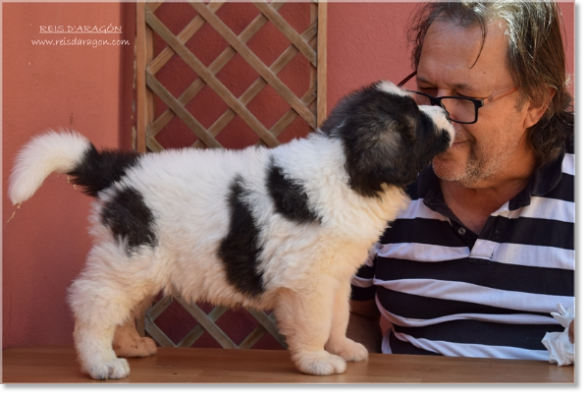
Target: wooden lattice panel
x,y
310,106
206,323
168,52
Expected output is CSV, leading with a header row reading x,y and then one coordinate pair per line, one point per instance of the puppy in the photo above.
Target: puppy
x,y
282,228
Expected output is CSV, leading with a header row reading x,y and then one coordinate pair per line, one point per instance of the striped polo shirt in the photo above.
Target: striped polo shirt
x,y
445,290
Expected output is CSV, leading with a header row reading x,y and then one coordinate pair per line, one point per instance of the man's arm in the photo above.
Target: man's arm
x,y
364,326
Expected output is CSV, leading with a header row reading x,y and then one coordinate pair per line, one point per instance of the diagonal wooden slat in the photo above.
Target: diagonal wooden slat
x,y
178,109
256,87
214,67
156,333
152,143
151,328
158,308
196,332
268,324
153,5
255,62
184,36
289,116
210,79
252,338
207,324
288,31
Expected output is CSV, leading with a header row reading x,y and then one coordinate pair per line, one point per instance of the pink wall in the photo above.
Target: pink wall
x,y
90,90
79,87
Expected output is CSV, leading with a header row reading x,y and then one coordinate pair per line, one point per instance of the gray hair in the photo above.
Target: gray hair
x,y
536,58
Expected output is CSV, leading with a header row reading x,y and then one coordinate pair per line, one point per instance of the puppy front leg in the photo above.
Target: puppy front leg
x,y
305,321
338,343
93,343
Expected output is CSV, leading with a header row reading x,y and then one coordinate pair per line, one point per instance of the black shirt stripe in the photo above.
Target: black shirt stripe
x,y
487,333
529,279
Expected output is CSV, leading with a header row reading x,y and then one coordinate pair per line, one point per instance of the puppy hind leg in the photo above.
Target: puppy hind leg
x,y
305,322
127,341
102,298
338,343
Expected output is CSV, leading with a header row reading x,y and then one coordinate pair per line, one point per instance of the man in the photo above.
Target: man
x,y
485,252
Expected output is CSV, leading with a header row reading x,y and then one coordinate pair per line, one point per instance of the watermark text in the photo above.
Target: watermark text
x,y
80,29
94,43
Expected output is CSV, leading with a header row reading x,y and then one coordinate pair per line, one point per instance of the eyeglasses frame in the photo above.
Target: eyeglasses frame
x,y
436,101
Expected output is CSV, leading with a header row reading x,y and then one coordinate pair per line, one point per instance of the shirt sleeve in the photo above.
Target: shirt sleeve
x,y
362,282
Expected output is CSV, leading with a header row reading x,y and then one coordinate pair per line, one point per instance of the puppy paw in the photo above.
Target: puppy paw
x,y
348,349
320,363
116,368
137,347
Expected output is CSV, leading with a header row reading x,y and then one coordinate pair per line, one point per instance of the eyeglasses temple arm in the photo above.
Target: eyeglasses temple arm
x,y
400,84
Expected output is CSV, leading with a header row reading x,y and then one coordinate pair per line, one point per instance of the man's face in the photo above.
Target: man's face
x,y
486,151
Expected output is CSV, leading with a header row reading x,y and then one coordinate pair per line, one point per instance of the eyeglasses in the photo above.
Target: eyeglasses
x,y
461,109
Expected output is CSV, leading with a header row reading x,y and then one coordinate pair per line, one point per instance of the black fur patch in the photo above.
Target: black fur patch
x,y
387,139
240,249
427,147
129,219
99,170
288,195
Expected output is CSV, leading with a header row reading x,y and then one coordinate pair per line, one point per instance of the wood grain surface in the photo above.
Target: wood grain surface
x,y
57,364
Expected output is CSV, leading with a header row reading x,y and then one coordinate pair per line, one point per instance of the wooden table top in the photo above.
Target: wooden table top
x,y
57,364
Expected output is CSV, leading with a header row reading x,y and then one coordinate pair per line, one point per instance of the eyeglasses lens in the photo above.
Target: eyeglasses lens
x,y
460,110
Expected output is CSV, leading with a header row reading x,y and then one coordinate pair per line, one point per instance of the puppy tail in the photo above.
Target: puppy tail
x,y
69,153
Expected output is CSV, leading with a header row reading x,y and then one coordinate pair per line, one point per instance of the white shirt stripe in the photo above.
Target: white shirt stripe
x,y
417,209
468,350
535,256
423,252
542,208
361,282
515,254
515,319
471,293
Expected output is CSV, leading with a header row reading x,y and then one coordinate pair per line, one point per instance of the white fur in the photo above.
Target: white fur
x,y
306,267
387,86
51,152
438,116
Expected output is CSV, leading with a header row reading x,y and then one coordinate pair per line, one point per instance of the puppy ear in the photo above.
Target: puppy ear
x,y
377,127
344,110
354,106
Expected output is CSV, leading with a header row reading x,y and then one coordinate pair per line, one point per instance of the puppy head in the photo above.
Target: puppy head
x,y
387,137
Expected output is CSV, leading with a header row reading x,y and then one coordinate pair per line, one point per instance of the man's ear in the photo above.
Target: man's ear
x,y
535,111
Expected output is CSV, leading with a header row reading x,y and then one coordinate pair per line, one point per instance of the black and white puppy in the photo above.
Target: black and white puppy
x,y
282,228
